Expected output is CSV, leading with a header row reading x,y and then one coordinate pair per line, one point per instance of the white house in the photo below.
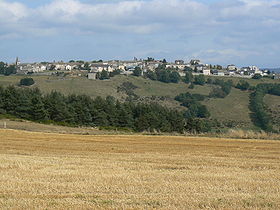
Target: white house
x,y
92,75
221,73
231,67
59,66
206,72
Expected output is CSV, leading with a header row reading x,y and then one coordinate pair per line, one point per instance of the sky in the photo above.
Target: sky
x,y
241,32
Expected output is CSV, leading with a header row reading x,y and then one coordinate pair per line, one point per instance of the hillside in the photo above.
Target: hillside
x,y
232,110
58,171
273,105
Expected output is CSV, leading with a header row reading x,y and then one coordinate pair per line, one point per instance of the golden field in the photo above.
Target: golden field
x,y
67,171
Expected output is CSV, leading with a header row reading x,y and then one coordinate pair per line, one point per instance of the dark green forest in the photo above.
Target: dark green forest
x,y
81,110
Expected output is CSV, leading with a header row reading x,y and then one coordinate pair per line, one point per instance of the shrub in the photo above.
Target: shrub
x,y
257,76
243,85
199,80
26,82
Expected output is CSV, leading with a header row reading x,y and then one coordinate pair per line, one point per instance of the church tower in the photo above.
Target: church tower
x,y
17,62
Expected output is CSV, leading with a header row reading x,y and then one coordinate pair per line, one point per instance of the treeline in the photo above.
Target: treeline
x,y
260,116
162,74
6,69
103,75
171,75
81,110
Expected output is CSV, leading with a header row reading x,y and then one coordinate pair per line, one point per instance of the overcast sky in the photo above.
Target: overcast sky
x,y
242,32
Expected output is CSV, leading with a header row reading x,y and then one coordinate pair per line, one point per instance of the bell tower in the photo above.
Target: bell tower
x,y
17,62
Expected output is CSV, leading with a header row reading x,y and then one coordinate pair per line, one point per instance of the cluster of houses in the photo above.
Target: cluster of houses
x,y
127,67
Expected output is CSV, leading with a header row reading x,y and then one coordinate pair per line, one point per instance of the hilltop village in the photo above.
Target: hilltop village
x,y
93,69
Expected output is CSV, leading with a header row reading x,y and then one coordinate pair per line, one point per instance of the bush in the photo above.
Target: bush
x,y
243,85
188,77
217,92
257,76
103,75
137,72
199,80
26,82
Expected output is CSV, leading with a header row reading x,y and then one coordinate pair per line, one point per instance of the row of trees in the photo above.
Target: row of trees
x,y
260,116
170,75
6,69
103,75
167,75
79,110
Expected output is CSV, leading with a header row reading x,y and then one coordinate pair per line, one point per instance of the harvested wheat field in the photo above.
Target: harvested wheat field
x,y
60,171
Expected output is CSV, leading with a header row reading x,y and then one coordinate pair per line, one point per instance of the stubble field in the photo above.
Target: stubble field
x,y
63,171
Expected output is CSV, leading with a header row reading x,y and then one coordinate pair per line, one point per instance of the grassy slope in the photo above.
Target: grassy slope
x,y
51,171
273,103
233,108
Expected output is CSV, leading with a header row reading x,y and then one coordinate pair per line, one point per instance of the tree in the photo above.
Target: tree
x,y
10,70
257,76
150,59
174,77
163,76
137,72
243,85
188,69
151,75
58,110
104,75
7,69
115,72
203,112
26,82
199,80
1,99
2,67
188,77
38,113
217,92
